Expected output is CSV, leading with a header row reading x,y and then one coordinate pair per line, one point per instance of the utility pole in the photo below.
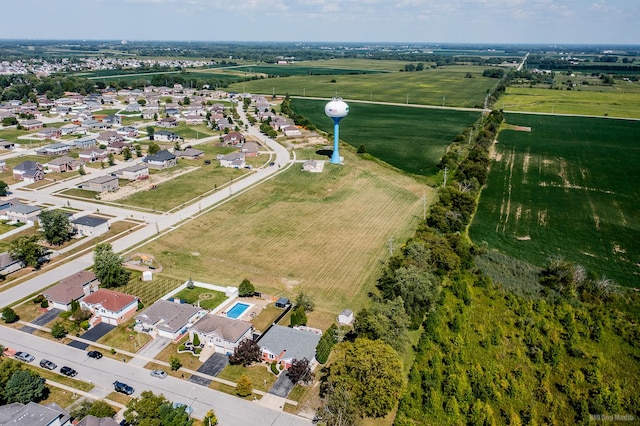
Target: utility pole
x,y
444,182
407,98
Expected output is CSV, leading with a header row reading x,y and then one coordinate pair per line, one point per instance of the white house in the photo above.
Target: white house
x,y
8,264
221,333
110,306
135,172
90,226
168,319
235,159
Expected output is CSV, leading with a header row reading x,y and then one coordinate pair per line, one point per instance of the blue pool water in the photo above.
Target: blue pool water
x,y
237,310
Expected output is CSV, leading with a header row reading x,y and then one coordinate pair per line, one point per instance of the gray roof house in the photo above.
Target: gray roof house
x,y
90,420
284,344
32,414
23,213
235,159
90,226
162,160
71,288
221,333
102,184
8,264
30,171
168,319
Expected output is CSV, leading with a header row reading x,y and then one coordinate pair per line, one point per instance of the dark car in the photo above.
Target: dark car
x,y
45,363
68,371
94,354
123,388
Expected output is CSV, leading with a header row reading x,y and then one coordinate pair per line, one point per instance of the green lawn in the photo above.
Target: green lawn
x,y
411,139
567,188
208,299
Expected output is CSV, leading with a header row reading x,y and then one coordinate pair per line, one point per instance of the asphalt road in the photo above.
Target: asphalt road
x,y
231,411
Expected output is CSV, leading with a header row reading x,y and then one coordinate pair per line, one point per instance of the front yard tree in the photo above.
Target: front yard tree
x,y
244,387
24,386
174,363
300,371
379,363
4,188
150,132
111,159
138,149
126,153
9,315
153,148
97,408
107,266
210,419
55,226
58,331
145,410
245,353
246,289
27,250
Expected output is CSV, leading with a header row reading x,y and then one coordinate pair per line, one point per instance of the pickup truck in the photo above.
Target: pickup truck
x,y
123,388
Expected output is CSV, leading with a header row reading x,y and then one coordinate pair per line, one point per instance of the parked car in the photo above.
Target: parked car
x,y
45,363
94,354
159,374
23,356
123,388
68,371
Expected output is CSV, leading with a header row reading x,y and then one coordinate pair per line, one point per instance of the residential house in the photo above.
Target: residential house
x,y
135,172
8,264
63,164
83,143
291,131
168,319
345,317
47,133
284,344
33,414
128,131
118,146
89,226
132,107
71,288
23,213
109,136
107,183
235,159
194,119
28,171
168,122
94,125
7,145
93,155
112,120
110,306
233,138
250,149
166,136
69,129
221,333
32,124
190,154
53,149
162,160
223,123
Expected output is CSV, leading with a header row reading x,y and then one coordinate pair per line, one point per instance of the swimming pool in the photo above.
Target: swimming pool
x,y
237,310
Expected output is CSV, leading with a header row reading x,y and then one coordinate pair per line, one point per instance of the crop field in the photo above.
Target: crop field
x,y
321,233
298,70
624,103
411,139
445,85
568,187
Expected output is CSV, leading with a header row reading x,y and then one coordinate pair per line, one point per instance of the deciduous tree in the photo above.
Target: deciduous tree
x,y
55,226
4,188
107,266
300,371
246,289
24,386
246,353
27,250
9,315
306,301
244,387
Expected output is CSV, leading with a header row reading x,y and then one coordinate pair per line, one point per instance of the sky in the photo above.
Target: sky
x,y
415,21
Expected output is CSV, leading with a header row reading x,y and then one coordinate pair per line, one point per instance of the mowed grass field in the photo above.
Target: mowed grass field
x,y
568,188
445,85
321,233
623,103
411,139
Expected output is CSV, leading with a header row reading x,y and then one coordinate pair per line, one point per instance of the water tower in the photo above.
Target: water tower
x,y
336,109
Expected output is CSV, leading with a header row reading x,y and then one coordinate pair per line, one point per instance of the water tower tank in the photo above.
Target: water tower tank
x,y
336,108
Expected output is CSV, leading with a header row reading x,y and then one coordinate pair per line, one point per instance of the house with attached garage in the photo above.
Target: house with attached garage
x,y
32,124
166,136
33,414
284,344
221,333
101,184
189,154
8,264
83,143
93,155
54,149
168,122
23,213
71,288
89,226
233,138
48,133
28,171
109,306
235,159
135,172
62,164
161,160
168,319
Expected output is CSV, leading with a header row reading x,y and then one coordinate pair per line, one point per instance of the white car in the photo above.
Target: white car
x,y
23,356
159,374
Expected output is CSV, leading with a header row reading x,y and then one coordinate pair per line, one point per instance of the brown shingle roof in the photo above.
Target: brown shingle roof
x,y
70,288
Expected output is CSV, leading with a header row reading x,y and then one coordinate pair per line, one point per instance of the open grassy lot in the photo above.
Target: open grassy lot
x,y
259,374
321,233
411,139
302,70
448,85
208,299
567,188
621,103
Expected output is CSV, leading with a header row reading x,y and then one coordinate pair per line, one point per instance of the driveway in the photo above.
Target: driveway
x,y
282,385
47,317
212,367
93,334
